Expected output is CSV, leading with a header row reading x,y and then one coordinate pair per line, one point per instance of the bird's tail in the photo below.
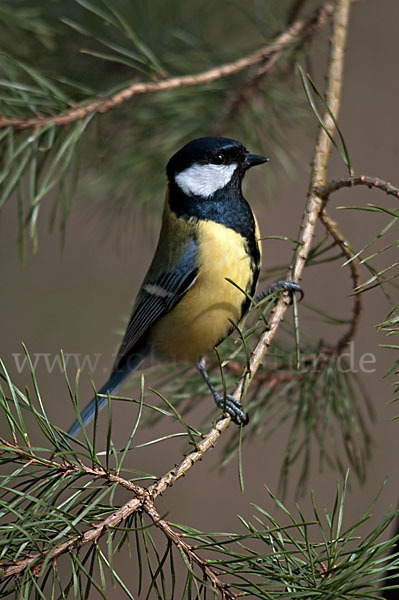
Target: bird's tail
x,y
89,410
110,387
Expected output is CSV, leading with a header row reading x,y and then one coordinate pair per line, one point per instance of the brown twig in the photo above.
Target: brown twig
x,y
295,9
102,105
65,468
141,501
209,573
90,536
332,229
323,146
336,59
325,190
274,378
299,30
324,193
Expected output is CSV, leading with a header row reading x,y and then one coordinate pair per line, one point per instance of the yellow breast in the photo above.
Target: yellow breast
x,y
203,317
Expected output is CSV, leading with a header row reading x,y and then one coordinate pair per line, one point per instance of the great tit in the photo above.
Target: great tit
x,y
186,304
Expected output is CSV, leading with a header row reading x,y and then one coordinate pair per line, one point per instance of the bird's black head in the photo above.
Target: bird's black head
x,y
208,164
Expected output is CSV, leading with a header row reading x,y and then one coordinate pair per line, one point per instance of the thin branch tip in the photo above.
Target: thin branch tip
x,y
324,191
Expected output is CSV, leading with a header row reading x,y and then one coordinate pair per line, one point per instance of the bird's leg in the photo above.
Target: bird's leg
x,y
281,286
230,405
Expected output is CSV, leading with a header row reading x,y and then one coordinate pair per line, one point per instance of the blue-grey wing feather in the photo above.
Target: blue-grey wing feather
x,y
156,298
149,307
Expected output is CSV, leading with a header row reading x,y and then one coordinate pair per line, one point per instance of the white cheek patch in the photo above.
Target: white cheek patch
x,y
204,180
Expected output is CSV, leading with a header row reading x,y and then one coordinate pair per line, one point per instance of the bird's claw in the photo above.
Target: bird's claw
x,y
233,408
282,286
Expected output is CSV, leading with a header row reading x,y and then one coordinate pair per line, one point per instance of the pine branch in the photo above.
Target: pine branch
x,y
324,190
295,9
278,561
50,123
324,193
323,146
209,573
332,229
90,536
301,29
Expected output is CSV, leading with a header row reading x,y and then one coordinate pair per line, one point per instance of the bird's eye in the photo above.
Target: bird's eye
x,y
218,159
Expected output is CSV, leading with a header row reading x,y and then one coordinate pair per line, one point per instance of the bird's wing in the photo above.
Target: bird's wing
x,y
157,297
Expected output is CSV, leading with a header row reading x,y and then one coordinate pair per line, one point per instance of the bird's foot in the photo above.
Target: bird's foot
x,y
232,407
229,405
282,286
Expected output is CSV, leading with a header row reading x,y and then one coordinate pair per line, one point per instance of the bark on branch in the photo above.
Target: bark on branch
x,y
324,193
300,29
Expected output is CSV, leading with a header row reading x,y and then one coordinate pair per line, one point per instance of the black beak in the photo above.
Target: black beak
x,y
251,160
